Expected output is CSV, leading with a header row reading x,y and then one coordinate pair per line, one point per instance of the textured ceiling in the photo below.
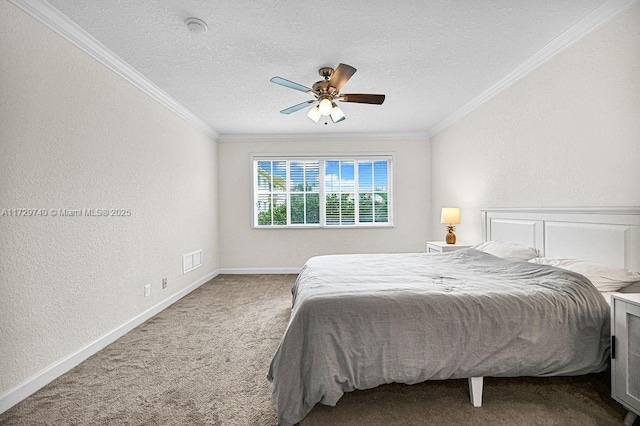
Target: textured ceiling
x,y
429,58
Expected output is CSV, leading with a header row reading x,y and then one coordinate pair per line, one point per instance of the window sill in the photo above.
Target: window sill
x,y
281,227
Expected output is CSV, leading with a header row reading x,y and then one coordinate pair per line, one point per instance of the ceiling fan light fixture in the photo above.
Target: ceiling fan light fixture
x,y
325,107
314,114
337,114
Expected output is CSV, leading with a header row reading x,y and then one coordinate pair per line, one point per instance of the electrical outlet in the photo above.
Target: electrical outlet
x,y
164,283
147,290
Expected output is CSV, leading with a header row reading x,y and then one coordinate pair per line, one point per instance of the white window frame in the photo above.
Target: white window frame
x,y
322,158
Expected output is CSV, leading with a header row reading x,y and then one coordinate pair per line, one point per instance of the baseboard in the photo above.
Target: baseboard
x,y
47,375
237,271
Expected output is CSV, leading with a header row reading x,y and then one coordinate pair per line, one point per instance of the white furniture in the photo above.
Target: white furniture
x,y
625,353
443,247
607,235
610,236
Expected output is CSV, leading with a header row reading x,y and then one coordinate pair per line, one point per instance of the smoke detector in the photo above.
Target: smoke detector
x,y
196,25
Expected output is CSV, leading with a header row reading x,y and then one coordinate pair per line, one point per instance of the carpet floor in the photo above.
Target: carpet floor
x,y
204,361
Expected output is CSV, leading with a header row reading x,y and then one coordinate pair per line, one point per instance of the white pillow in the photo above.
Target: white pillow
x,y
509,251
631,288
605,278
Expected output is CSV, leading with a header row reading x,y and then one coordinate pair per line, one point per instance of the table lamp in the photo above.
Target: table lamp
x,y
450,216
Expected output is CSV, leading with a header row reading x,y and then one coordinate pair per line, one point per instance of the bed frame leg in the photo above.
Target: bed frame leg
x,y
630,418
475,391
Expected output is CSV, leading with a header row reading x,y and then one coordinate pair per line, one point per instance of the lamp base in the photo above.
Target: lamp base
x,y
451,236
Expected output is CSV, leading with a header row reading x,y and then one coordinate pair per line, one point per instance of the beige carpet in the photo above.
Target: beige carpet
x,y
204,361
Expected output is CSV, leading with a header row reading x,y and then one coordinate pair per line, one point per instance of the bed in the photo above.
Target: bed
x,y
359,321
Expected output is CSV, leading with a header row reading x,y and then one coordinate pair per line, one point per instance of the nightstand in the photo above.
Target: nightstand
x,y
625,353
443,247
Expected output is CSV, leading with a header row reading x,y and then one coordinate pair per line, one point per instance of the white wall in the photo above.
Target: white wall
x,y
247,247
566,135
75,135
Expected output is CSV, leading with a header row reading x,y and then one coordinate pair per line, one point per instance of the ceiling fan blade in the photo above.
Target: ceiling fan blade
x,y
341,75
297,107
290,84
363,99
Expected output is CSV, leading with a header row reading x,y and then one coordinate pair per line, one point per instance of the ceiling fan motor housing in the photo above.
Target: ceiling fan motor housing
x,y
321,86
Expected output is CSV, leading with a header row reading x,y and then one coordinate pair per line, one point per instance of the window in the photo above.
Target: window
x,y
329,192
287,192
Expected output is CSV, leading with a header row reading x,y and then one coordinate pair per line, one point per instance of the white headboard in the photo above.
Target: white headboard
x,y
610,236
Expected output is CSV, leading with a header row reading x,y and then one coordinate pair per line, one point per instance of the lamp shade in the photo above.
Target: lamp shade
x,y
450,215
336,114
325,107
314,113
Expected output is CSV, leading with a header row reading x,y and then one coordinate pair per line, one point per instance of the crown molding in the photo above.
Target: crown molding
x,y
51,17
596,19
275,137
59,23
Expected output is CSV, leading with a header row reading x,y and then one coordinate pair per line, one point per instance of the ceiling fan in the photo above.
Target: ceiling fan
x,y
326,93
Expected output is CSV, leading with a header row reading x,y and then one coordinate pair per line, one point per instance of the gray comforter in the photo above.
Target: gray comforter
x,y
359,321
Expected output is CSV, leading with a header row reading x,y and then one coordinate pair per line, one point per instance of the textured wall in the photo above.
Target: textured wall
x,y
567,134
74,135
246,247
